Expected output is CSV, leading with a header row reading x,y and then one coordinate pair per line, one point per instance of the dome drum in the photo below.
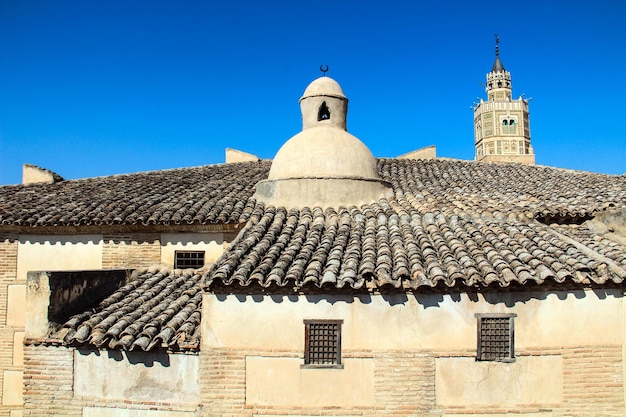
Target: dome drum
x,y
322,192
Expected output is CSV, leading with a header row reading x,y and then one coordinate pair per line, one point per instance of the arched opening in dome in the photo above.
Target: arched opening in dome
x,y
323,113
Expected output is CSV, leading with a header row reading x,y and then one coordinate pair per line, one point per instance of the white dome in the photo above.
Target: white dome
x,y
323,166
324,86
324,152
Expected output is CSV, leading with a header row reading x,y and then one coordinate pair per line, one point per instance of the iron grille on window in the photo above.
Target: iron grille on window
x,y
189,259
322,343
496,337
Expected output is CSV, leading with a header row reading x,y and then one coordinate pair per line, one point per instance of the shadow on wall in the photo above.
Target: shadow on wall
x,y
61,239
148,359
426,300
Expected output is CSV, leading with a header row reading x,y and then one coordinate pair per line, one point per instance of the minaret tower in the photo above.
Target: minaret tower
x,y
501,126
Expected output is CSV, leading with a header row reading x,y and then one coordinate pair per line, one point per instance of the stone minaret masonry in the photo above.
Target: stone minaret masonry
x,y
501,124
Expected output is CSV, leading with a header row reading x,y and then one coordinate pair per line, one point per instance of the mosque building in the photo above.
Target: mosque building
x,y
326,282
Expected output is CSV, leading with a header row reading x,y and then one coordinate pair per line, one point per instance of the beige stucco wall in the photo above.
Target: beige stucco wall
x,y
441,326
427,152
58,253
136,376
12,383
212,243
438,322
235,155
348,387
127,412
530,379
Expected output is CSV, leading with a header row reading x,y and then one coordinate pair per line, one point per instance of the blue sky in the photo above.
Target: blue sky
x,y
91,88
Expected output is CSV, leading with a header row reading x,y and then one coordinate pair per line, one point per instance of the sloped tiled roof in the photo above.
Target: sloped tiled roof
x,y
157,308
200,195
449,224
222,193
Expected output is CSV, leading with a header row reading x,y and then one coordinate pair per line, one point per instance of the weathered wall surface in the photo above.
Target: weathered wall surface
x,y
131,250
62,381
212,243
431,322
352,386
56,253
421,352
136,376
20,254
28,253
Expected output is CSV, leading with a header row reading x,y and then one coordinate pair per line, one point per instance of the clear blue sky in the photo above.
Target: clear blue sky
x,y
91,88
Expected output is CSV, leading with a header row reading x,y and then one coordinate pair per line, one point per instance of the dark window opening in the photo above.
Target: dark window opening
x,y
557,218
496,341
499,84
189,259
323,113
322,344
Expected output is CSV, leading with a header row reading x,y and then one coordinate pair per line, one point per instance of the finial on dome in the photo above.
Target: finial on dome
x,y
324,69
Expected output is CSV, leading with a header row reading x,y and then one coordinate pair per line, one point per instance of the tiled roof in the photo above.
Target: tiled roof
x,y
450,223
222,194
201,195
386,244
157,308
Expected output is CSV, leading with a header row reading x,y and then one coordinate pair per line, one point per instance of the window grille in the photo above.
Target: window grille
x,y
189,259
496,337
322,343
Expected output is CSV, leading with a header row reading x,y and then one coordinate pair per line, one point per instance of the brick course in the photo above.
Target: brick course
x,y
405,385
48,387
131,250
8,276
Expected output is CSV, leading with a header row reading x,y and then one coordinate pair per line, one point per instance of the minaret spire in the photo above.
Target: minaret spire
x,y
497,47
497,65
501,126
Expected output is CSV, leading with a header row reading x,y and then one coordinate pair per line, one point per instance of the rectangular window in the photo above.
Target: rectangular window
x,y
496,337
322,344
188,259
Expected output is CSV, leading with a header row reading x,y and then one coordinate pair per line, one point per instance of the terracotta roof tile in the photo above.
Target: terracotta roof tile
x,y
157,308
202,195
449,224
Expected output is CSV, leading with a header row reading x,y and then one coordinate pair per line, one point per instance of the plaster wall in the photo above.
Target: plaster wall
x,y
126,412
428,152
348,387
63,252
433,321
212,243
235,155
321,192
136,376
530,379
